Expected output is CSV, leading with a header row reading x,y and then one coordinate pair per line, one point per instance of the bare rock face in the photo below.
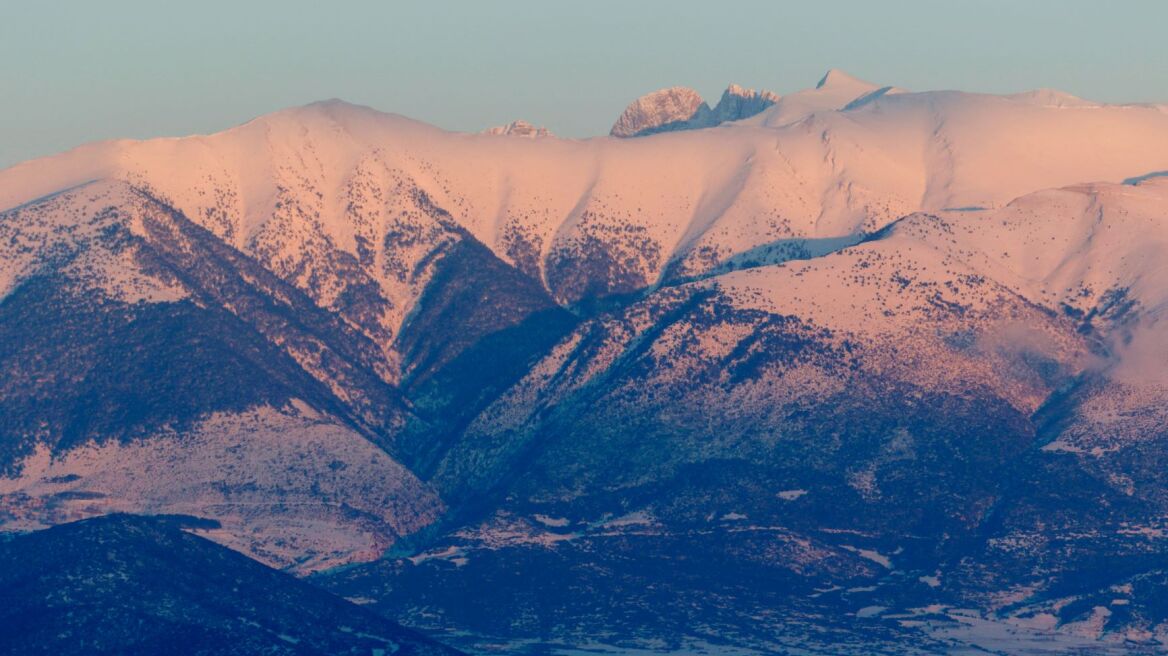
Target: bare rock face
x,y
519,128
738,103
681,108
675,108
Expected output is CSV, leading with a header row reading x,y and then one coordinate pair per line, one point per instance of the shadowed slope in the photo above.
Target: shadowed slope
x,y
135,585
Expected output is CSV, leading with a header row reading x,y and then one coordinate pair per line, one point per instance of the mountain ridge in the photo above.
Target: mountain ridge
x,y
882,349
143,584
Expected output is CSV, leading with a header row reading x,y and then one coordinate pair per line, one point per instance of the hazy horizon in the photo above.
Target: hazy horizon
x,y
92,72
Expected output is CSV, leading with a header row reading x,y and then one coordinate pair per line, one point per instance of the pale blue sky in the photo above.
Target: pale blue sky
x,y
77,71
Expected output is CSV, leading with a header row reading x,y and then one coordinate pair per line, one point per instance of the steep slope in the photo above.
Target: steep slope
x,y
1094,492
889,399
134,343
664,110
739,103
130,585
874,325
831,438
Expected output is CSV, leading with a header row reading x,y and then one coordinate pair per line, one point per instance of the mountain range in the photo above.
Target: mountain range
x,y
850,370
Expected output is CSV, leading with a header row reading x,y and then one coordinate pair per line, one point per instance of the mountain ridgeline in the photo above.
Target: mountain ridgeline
x,y
854,369
132,585
681,108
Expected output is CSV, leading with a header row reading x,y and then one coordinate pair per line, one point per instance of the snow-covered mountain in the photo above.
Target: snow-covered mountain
x,y
888,348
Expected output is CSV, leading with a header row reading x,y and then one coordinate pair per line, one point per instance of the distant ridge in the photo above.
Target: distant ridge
x,y
682,108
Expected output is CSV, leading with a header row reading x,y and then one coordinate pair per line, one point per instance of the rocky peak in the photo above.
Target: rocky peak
x,y
743,92
738,103
675,108
519,128
681,108
836,78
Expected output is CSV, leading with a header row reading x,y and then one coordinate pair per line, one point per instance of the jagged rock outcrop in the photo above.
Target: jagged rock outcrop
x,y
682,108
519,128
675,108
738,103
